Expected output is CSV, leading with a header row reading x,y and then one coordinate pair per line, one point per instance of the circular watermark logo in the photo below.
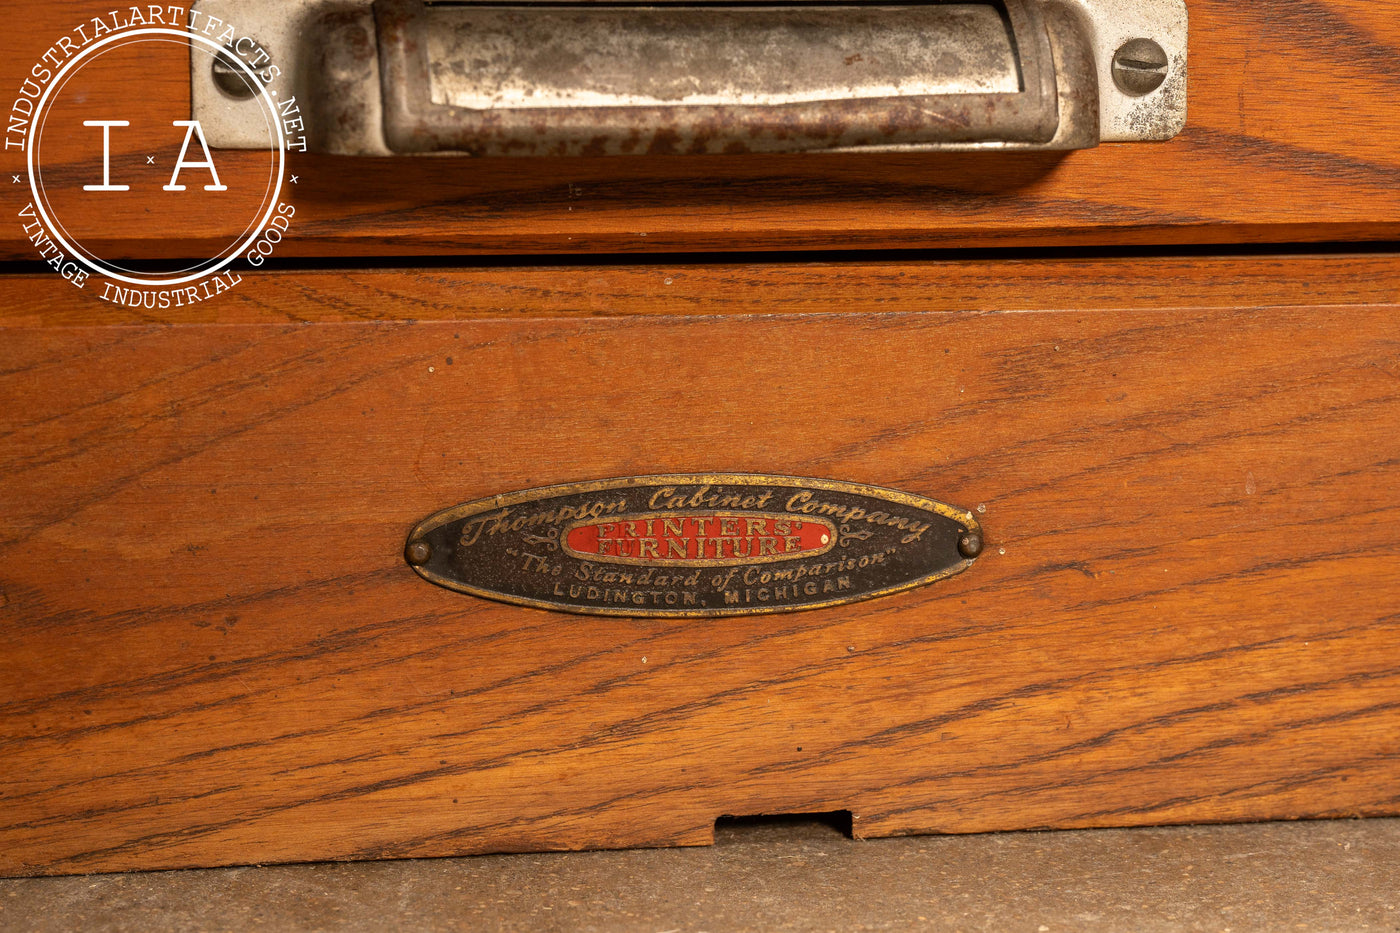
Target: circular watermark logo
x,y
128,200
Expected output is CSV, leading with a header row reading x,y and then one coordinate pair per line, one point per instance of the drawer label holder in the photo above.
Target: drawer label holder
x,y
695,545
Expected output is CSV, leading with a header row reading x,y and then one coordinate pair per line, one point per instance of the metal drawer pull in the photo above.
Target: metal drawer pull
x,y
585,78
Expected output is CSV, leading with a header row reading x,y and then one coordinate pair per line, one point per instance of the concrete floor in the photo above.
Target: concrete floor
x,y
787,875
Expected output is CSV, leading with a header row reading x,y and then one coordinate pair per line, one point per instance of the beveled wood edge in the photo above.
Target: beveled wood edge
x,y
676,288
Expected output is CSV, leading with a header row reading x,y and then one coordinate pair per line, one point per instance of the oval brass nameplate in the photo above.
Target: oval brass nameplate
x,y
697,545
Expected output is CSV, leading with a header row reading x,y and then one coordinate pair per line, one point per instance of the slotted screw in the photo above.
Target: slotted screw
x,y
1139,67
230,78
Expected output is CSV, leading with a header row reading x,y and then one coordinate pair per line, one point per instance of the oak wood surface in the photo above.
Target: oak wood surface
x,y
1291,137
211,651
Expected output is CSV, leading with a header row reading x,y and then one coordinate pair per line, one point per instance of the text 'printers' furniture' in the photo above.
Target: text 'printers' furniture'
x,y
1183,461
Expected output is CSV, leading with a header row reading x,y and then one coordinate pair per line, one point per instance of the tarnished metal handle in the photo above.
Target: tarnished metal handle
x,y
594,78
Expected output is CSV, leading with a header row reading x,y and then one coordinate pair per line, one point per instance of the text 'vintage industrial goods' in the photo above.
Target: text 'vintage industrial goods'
x,y
702,545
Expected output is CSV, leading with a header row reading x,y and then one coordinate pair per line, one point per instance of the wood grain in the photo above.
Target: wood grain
x,y
211,651
1291,137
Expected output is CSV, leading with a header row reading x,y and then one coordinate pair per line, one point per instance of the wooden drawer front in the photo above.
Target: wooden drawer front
x,y
212,652
1290,137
